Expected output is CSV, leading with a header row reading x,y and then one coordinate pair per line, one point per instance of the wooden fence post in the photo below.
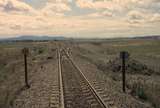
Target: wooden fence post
x,y
25,51
124,55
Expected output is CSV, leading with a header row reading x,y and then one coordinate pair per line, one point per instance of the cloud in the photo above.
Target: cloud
x,y
142,17
16,7
120,6
155,18
105,13
107,18
40,25
57,7
136,17
99,5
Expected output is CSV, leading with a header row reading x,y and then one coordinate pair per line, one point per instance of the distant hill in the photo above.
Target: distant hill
x,y
33,38
148,37
45,38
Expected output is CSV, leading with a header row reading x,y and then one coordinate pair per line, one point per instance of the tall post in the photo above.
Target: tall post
x,y
124,55
25,52
123,72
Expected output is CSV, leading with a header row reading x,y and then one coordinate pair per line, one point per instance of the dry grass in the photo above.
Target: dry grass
x,y
12,68
145,88
144,73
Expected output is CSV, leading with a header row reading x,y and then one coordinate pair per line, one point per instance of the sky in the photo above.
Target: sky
x,y
80,18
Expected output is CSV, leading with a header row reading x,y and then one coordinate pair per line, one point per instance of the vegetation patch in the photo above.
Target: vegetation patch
x,y
132,67
96,43
40,51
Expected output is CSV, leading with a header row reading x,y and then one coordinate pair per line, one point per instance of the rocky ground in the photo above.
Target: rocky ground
x,y
39,94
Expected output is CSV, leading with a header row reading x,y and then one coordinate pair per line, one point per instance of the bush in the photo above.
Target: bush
x,y
147,92
40,51
138,90
141,94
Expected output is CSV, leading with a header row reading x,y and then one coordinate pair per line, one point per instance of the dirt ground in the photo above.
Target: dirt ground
x,y
98,60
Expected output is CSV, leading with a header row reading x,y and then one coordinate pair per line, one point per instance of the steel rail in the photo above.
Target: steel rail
x,y
98,98
60,80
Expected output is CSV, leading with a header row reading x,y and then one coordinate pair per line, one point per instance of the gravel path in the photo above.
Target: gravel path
x,y
77,93
42,86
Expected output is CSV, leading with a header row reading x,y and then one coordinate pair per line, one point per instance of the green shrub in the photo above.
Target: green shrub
x,y
40,51
141,93
138,90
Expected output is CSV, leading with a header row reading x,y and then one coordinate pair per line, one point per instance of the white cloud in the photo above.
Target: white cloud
x,y
16,7
55,8
136,17
98,5
155,18
105,13
119,6
109,18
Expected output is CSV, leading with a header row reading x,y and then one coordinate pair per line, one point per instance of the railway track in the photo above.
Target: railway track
x,y
75,90
56,98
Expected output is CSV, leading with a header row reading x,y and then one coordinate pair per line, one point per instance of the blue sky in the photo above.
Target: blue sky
x,y
80,18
